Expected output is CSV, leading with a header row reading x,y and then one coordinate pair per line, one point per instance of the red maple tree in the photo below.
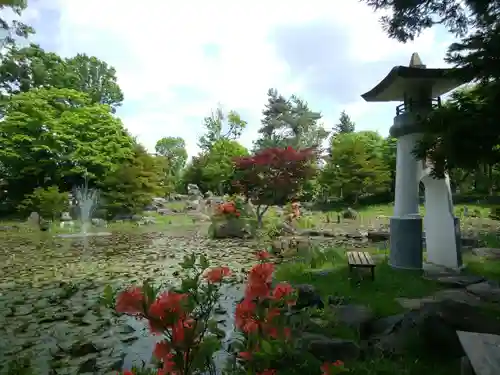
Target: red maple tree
x,y
273,176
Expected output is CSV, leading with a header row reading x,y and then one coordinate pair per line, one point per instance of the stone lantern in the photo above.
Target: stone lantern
x,y
419,89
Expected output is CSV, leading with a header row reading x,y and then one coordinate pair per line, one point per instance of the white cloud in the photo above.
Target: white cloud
x,y
158,46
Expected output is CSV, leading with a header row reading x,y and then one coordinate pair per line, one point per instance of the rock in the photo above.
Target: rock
x,y
164,211
329,349
149,220
65,216
119,217
459,281
486,252
432,328
350,214
377,236
456,295
99,222
136,218
354,316
34,218
307,296
233,228
487,290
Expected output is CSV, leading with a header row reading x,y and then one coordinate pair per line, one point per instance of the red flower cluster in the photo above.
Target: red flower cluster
x,y
258,316
167,313
228,208
261,306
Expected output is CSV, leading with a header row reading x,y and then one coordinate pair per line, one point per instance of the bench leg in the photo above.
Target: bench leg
x,y
373,273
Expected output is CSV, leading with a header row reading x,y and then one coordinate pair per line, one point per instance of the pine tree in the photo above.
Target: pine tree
x,y
345,125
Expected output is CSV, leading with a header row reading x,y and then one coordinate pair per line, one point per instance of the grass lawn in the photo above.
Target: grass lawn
x,y
380,296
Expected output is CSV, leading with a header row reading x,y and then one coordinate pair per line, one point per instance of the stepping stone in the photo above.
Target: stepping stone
x,y
459,281
456,295
487,290
487,252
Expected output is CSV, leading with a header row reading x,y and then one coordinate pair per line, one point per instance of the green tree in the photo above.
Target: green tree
x,y
463,132
289,122
218,171
133,185
26,68
345,125
174,150
54,136
14,28
95,78
221,126
354,169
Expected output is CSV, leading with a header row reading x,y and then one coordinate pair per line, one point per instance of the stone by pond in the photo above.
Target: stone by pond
x,y
50,292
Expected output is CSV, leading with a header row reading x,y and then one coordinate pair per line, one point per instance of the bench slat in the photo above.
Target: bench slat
x,y
368,258
483,351
357,258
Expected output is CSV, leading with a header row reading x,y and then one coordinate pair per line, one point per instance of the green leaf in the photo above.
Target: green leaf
x,y
266,347
204,263
108,296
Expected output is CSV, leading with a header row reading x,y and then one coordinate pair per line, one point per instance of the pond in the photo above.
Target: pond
x,y
50,291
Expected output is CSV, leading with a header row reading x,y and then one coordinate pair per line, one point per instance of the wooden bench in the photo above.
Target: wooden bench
x,y
483,353
360,259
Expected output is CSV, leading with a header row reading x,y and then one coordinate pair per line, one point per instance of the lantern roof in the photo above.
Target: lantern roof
x,y
404,79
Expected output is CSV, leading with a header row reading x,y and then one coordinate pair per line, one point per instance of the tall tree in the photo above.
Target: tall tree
x,y
95,78
131,187
174,150
221,126
289,122
345,125
26,68
14,28
355,167
54,136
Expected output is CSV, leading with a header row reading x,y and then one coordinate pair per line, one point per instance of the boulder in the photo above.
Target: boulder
x,y
232,228
487,290
329,349
431,328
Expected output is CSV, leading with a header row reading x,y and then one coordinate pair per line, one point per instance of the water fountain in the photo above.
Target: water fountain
x,y
87,200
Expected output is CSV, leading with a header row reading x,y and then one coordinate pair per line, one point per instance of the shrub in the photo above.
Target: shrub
x,y
48,202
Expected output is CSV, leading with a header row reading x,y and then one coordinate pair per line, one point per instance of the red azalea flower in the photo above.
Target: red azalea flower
x,y
131,301
215,275
282,290
261,273
245,355
162,350
263,255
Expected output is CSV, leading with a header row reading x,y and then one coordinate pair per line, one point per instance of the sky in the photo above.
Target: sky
x,y
176,61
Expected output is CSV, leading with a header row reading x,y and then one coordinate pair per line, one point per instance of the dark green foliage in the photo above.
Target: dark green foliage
x,y
289,122
132,186
345,125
